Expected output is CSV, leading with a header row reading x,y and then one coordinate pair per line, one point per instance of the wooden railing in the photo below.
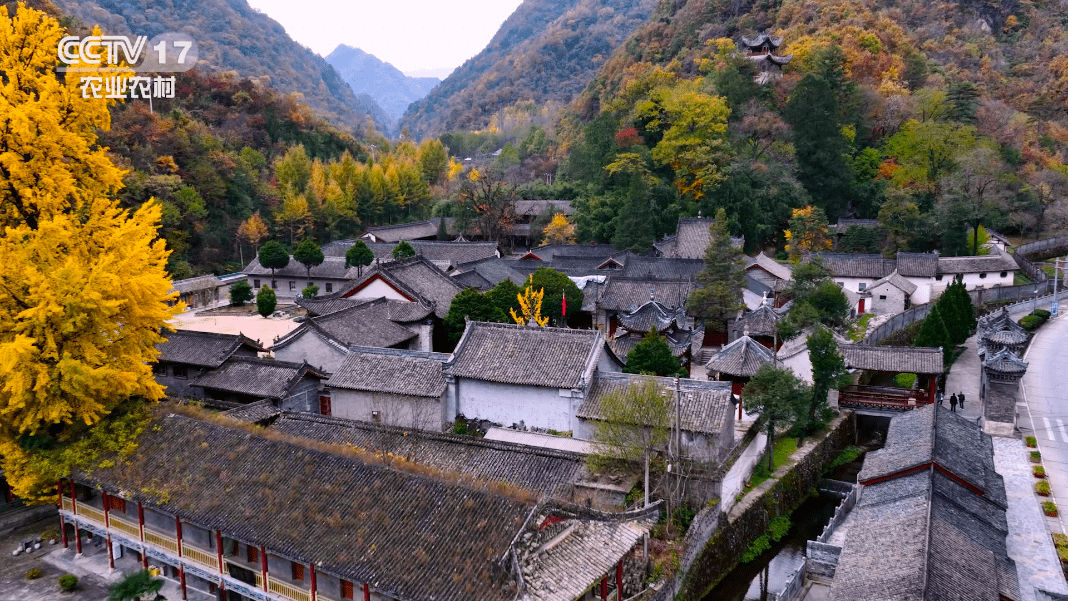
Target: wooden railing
x,y
92,513
161,540
68,504
125,526
254,569
208,560
287,590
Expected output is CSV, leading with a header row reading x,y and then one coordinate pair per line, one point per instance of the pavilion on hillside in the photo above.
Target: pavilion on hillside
x,y
926,363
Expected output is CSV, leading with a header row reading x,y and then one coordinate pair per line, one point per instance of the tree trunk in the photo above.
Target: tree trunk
x,y
646,478
771,447
975,239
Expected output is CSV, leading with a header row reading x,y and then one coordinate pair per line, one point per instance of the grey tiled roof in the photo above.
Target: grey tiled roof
x,y
204,349
621,293
679,342
435,250
662,268
993,262
1005,362
897,280
705,405
536,207
391,372
564,570
417,275
366,324
532,468
325,306
690,240
352,519
652,314
254,413
762,321
531,356
743,358
495,271
472,279
1004,337
875,266
332,268
898,359
204,282
546,252
845,224
264,378
406,231
762,261
923,265
922,534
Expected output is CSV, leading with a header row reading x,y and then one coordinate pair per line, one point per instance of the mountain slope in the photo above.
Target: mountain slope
x,y
546,51
232,36
383,82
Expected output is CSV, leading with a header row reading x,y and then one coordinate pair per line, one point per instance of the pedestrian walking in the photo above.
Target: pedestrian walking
x,y
941,397
960,399
953,403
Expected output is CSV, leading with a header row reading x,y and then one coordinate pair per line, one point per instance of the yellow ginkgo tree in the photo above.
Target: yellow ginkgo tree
x,y
530,307
83,287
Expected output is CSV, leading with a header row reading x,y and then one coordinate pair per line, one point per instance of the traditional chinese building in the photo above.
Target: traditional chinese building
x,y
225,510
763,50
739,361
882,363
670,322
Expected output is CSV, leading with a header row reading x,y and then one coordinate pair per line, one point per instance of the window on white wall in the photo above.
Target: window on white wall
x,y
1004,274
862,286
982,276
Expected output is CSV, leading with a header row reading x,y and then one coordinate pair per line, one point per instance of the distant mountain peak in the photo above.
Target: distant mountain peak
x,y
387,85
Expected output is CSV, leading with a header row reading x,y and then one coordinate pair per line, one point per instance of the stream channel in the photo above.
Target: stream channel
x,y
767,574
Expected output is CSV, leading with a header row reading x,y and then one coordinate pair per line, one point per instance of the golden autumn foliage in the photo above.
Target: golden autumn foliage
x,y
807,233
559,230
530,308
83,286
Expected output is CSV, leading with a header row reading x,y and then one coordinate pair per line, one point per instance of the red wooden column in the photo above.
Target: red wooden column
x,y
604,588
77,538
178,536
932,387
263,562
73,500
181,579
141,519
59,493
311,567
104,496
218,547
619,580
63,530
366,592
111,554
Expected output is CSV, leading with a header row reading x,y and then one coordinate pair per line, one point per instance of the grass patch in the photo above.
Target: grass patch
x,y
1031,441
784,447
1020,279
905,380
777,529
1049,508
1042,488
848,455
860,327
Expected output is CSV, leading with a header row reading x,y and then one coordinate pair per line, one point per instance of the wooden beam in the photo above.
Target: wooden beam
x,y
104,497
111,554
63,531
178,539
263,563
77,538
311,567
218,547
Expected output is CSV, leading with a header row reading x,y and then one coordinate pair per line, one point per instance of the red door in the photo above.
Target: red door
x,y
324,404
860,307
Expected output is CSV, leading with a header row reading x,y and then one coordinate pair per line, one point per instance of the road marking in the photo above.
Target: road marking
x,y
1049,428
1064,433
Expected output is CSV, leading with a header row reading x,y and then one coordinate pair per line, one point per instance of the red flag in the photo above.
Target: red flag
x,y
563,306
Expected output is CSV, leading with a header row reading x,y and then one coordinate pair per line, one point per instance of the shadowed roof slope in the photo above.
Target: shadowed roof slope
x,y
743,358
621,293
397,372
264,378
532,468
350,518
416,274
532,356
205,349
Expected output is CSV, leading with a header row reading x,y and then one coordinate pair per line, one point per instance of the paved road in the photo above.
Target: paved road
x,y
1044,413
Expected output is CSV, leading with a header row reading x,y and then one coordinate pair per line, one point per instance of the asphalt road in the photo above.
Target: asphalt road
x,y
1045,411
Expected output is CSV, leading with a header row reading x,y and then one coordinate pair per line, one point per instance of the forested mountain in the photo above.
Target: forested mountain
x,y
383,82
546,51
232,36
934,118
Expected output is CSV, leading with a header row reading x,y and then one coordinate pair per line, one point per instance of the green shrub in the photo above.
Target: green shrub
x,y
1031,441
310,291
460,428
1042,488
1039,471
1031,322
1060,540
1062,554
1049,508
777,529
68,582
905,380
1044,314
1036,455
33,574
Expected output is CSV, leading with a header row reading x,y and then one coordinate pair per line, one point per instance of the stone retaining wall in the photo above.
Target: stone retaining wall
x,y
750,518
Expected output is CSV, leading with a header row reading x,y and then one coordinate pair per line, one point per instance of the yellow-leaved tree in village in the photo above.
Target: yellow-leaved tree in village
x,y
83,286
530,308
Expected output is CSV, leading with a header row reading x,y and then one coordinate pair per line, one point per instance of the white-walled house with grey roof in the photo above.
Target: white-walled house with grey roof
x,y
510,374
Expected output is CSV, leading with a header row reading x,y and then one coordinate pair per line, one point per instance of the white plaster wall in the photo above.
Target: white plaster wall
x,y
605,363
735,479
283,291
801,365
378,289
925,288
893,304
509,404
313,349
396,409
853,283
992,280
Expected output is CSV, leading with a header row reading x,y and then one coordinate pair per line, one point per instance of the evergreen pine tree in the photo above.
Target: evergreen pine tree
x,y
933,333
653,356
723,277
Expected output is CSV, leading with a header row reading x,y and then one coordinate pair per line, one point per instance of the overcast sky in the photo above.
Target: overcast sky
x,y
419,37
